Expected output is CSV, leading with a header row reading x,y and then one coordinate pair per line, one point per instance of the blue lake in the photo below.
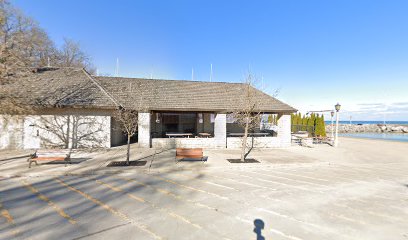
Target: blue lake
x,y
401,137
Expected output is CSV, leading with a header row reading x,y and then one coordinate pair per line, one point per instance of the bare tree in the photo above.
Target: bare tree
x,y
248,114
128,120
71,55
23,44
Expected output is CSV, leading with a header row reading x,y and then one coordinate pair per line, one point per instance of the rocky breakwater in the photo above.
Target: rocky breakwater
x,y
356,128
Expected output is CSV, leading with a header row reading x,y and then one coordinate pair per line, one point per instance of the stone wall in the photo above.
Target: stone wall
x,y
55,131
284,133
255,142
144,129
232,142
11,132
220,129
170,143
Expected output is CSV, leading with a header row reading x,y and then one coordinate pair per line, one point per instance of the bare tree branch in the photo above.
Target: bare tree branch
x,y
248,114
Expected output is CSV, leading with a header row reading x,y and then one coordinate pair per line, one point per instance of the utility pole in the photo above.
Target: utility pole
x,y
117,68
331,127
336,136
192,74
211,72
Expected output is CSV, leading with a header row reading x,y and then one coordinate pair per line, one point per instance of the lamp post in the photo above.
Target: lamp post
x,y
336,139
332,129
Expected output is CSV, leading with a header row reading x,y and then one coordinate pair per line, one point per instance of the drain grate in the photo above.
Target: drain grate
x,y
248,160
124,163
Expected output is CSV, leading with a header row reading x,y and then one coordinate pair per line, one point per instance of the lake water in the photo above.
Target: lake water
x,y
400,137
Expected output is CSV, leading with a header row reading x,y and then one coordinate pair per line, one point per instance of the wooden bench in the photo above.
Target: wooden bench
x,y
50,155
182,153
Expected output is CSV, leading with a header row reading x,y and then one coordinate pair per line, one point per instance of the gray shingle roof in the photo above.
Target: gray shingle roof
x,y
74,87
63,87
177,95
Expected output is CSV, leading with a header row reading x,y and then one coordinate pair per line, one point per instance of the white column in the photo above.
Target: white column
x,y
220,129
144,130
31,132
284,134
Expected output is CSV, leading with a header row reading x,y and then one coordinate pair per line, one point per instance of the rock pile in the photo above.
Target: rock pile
x,y
355,128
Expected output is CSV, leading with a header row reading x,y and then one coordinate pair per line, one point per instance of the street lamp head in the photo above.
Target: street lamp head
x,y
332,113
337,107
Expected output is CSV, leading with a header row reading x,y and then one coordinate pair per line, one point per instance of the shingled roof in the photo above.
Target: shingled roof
x,y
59,87
74,87
181,95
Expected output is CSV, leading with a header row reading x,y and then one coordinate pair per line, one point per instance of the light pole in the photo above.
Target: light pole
x,y
336,139
332,129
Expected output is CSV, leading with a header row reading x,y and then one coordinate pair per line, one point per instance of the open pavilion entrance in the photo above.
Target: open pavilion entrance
x,y
182,124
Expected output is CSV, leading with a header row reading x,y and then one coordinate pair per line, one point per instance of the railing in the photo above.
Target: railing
x,y
305,128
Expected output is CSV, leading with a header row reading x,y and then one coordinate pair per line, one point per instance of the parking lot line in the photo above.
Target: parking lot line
x,y
169,193
243,183
5,213
209,182
279,183
44,198
285,178
180,198
244,203
295,175
167,211
10,220
189,187
110,209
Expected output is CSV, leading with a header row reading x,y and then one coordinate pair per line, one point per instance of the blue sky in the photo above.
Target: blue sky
x,y
317,53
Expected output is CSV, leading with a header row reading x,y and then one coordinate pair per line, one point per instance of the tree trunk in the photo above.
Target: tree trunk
x,y
244,140
128,150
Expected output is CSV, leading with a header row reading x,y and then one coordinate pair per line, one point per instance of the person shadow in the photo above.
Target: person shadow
x,y
259,226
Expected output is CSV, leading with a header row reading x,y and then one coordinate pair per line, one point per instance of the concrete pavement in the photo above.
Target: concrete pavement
x,y
298,193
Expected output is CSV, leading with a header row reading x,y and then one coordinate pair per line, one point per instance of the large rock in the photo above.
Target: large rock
x,y
354,128
396,129
383,128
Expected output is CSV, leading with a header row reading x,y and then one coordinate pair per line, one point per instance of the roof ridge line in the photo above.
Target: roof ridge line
x,y
102,88
162,79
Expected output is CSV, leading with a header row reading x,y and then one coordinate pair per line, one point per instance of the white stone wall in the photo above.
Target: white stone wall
x,y
284,132
56,131
93,132
255,142
11,132
31,132
169,143
220,129
143,130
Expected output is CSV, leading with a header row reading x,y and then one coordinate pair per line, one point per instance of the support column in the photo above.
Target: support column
x,y
207,123
284,134
143,129
220,130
